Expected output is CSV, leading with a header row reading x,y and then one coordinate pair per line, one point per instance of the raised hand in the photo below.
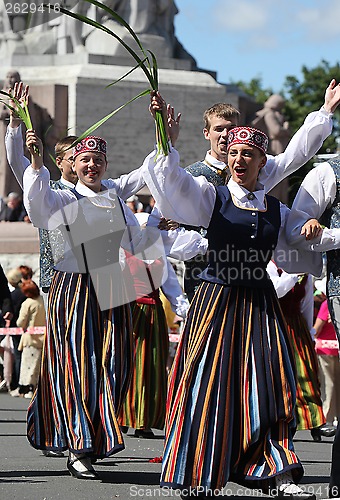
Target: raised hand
x,y
332,96
157,103
173,124
21,96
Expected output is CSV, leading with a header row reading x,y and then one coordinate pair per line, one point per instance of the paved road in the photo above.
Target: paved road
x,y
25,474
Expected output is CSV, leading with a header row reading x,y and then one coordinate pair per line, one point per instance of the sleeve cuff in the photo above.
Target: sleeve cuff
x,y
14,130
323,112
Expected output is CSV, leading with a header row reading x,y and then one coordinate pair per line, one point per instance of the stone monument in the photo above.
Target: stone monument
x,y
272,122
57,51
69,65
44,126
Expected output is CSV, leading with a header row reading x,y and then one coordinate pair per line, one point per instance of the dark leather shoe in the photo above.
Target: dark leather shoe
x,y
53,454
316,434
87,474
325,430
144,433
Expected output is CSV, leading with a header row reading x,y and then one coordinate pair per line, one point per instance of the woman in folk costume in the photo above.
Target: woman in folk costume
x,y
230,408
87,351
296,299
144,406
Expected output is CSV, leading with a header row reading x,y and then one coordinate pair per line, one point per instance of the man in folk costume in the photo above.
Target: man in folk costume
x,y
222,117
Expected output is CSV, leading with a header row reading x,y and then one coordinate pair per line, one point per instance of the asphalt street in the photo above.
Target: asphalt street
x,y
25,474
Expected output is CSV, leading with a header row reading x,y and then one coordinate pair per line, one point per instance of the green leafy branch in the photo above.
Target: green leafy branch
x,y
147,62
20,110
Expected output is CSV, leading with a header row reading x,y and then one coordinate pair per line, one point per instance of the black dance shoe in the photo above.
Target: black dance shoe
x,y
326,430
144,433
90,473
53,454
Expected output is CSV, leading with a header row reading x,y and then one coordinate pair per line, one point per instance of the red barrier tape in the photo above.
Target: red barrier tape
x,y
35,330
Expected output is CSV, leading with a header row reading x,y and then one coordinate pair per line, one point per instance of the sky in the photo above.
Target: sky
x,y
267,39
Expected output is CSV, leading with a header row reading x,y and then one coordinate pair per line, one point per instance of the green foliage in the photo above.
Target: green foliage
x,y
302,97
255,90
308,95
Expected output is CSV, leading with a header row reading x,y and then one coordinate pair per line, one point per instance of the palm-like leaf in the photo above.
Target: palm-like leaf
x,y
20,110
124,76
147,62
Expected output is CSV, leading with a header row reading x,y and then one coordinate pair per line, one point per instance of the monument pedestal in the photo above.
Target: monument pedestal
x,y
19,245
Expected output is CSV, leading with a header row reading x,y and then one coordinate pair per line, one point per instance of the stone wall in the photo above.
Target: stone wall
x,y
19,244
130,133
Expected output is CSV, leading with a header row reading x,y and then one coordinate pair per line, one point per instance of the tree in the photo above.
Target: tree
x,y
255,90
304,97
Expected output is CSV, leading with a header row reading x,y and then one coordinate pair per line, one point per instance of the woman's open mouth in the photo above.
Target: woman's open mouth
x,y
240,171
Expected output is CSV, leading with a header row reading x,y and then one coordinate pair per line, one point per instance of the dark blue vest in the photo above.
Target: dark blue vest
x,y
46,239
241,242
331,219
197,169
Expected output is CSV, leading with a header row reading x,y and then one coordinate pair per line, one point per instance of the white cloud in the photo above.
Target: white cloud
x,y
322,21
241,16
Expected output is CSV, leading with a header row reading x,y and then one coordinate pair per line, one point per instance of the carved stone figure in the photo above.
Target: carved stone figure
x,y
42,123
271,121
151,16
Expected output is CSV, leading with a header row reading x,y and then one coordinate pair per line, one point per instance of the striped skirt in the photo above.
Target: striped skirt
x,y
144,406
230,407
309,413
84,374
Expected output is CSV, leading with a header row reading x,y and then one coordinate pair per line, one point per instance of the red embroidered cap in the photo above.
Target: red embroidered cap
x,y
90,144
248,135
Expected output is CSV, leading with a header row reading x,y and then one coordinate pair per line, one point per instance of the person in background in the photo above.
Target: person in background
x,y
132,203
327,350
14,277
13,209
295,294
318,197
32,313
6,304
144,406
6,314
151,203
